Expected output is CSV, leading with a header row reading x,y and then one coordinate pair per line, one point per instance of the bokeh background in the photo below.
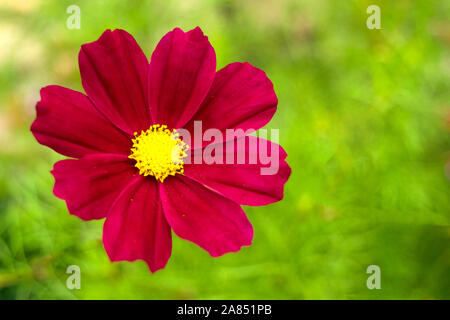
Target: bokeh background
x,y
363,114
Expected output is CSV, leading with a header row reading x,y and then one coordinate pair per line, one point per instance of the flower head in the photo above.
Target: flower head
x,y
132,166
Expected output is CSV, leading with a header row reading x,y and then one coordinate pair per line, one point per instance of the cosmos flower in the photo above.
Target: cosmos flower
x,y
122,134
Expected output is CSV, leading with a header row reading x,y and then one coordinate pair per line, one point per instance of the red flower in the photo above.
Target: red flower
x,y
119,137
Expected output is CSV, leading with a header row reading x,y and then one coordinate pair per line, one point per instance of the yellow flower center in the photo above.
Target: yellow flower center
x,y
158,152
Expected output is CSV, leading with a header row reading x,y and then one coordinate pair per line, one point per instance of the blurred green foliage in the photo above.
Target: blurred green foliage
x,y
363,114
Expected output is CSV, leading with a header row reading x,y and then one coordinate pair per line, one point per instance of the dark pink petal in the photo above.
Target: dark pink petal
x,y
68,123
241,97
246,183
136,227
204,217
91,184
114,74
182,70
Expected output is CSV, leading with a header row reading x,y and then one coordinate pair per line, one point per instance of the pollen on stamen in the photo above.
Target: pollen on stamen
x,y
158,152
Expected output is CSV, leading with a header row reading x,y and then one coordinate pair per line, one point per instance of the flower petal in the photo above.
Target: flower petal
x,y
204,217
68,123
254,184
90,185
114,74
182,70
136,227
241,97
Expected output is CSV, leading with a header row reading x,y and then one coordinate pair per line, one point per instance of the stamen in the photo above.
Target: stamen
x,y
158,152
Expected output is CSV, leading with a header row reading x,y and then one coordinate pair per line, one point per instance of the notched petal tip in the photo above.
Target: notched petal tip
x,y
151,267
197,34
194,35
104,34
245,243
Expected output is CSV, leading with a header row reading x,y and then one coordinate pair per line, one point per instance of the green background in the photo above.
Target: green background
x,y
364,116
